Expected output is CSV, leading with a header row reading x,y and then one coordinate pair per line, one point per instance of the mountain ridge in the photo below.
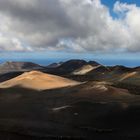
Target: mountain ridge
x,y
11,66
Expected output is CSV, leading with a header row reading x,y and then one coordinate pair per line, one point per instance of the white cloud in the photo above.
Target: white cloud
x,y
70,25
123,7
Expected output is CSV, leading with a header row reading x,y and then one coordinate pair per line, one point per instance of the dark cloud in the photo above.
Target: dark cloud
x,y
76,25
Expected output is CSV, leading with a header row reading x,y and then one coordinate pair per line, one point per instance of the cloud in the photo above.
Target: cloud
x,y
12,44
123,7
68,25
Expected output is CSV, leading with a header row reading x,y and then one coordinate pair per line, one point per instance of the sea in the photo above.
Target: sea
x,y
106,62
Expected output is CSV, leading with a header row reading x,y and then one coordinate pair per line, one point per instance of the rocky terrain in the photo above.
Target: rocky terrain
x,y
72,100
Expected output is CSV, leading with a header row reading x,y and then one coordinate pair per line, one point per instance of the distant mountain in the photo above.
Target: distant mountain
x,y
120,69
137,68
75,69
38,81
11,66
54,65
71,66
93,63
82,70
106,73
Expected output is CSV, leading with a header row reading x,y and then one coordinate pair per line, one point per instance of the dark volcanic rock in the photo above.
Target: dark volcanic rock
x,y
69,66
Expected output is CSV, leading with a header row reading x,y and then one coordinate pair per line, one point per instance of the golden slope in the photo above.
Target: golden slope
x,y
128,75
85,69
38,81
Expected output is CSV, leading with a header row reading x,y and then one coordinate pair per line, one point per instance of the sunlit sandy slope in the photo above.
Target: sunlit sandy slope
x,y
38,81
85,69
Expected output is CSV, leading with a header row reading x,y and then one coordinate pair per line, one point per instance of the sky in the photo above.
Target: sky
x,y
66,29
